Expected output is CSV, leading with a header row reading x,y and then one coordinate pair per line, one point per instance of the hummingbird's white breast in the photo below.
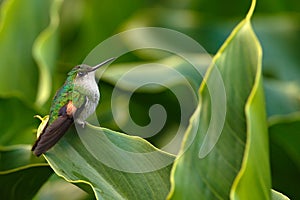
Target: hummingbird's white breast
x,y
87,87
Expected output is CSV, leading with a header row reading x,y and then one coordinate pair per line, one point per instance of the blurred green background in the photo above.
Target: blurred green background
x,y
40,41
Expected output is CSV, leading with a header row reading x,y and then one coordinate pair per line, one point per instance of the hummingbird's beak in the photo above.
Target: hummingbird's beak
x,y
102,64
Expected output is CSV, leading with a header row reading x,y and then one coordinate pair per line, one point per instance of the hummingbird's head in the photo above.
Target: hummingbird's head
x,y
83,73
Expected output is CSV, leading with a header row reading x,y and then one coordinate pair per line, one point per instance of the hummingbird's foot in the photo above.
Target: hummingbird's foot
x,y
81,123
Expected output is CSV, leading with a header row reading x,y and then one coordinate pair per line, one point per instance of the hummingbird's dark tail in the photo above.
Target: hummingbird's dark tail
x,y
52,134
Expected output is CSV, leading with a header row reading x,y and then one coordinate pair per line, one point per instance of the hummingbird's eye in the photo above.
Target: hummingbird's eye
x,y
81,74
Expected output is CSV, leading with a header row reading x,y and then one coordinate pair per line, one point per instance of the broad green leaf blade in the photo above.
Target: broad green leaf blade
x,y
285,154
21,22
244,134
255,171
45,53
88,157
21,173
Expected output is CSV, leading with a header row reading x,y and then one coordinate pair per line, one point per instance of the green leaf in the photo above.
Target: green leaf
x,y
21,173
285,154
45,53
112,164
18,72
237,159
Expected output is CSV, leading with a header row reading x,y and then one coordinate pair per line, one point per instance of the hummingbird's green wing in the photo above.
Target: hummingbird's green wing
x,y
55,130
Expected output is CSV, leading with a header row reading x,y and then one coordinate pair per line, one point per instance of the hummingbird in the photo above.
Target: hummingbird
x,y
75,101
